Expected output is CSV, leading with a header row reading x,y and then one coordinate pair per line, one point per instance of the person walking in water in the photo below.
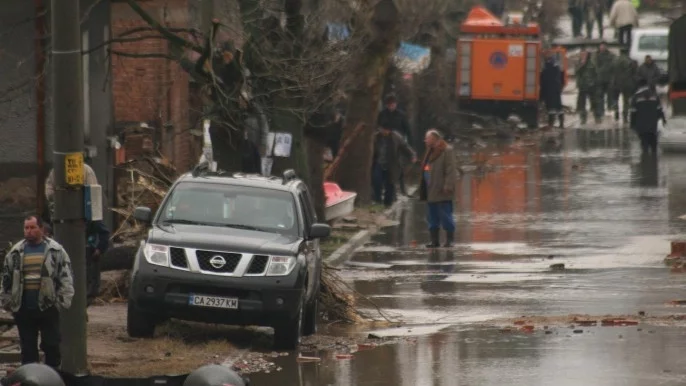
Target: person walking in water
x,y
646,111
388,146
552,83
586,82
438,187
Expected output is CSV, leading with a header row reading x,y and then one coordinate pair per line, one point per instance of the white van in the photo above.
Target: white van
x,y
654,42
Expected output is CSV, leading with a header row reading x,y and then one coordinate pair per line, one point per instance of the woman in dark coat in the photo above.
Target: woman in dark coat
x,y
552,83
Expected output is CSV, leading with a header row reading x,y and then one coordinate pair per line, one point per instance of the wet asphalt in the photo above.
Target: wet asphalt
x,y
586,199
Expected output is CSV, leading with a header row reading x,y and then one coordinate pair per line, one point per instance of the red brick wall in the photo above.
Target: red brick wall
x,y
153,90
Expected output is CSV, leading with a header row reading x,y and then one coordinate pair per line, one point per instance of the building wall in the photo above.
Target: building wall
x,y
149,89
17,94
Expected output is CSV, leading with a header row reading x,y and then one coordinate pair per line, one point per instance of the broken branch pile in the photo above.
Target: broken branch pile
x,y
139,182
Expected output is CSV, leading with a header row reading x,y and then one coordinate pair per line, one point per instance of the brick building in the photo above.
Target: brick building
x,y
152,89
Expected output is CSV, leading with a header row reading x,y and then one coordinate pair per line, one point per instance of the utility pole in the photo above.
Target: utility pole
x,y
67,110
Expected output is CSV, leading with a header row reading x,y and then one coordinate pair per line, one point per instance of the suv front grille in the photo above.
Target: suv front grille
x,y
258,264
211,261
178,257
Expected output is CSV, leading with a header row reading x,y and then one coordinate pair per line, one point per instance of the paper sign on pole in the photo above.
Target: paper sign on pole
x,y
73,168
282,144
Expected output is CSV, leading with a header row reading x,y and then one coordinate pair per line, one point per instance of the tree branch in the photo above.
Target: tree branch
x,y
173,38
132,31
122,40
148,55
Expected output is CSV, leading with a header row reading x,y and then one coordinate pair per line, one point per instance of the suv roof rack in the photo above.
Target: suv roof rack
x,y
203,169
288,176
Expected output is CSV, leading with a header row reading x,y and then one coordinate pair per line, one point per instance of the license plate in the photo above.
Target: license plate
x,y
212,301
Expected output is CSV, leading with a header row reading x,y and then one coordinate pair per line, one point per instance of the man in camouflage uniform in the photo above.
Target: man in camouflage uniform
x,y
586,82
605,63
624,79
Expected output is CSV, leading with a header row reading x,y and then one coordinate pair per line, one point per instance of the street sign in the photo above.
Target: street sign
x,y
73,168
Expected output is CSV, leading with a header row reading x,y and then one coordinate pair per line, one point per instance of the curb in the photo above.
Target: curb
x,y
346,251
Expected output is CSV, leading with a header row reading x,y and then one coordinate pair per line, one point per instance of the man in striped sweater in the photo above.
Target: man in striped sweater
x,y
37,283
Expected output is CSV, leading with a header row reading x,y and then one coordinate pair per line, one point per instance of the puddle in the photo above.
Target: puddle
x,y
497,278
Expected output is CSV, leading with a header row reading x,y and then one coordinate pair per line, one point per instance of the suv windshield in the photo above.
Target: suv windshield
x,y
653,43
231,206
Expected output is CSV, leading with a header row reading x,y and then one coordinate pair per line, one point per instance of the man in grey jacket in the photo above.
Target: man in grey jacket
x,y
37,284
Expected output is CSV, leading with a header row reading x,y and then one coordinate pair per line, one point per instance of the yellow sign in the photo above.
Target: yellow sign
x,y
73,168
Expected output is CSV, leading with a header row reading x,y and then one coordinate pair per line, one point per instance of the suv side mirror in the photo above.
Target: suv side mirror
x,y
143,213
320,231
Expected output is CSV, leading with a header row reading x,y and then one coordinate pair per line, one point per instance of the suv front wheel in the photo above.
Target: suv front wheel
x,y
288,333
138,323
310,317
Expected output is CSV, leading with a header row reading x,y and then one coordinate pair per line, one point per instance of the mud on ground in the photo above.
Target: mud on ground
x,y
573,320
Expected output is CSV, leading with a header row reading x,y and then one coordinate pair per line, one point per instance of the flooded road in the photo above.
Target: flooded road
x,y
587,200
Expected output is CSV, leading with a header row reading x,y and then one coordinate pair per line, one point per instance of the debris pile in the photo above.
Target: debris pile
x,y
115,287
337,301
142,181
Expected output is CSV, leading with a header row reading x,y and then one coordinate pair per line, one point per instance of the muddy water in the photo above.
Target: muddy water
x,y
587,200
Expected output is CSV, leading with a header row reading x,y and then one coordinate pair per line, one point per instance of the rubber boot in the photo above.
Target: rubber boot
x,y
448,239
435,243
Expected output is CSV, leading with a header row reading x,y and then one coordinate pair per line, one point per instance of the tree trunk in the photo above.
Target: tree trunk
x,y
355,170
285,119
288,105
316,172
226,147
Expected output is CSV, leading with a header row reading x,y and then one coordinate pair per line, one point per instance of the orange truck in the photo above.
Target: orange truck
x,y
499,65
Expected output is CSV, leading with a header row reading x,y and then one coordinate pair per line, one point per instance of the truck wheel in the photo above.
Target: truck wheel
x,y
311,314
287,334
138,323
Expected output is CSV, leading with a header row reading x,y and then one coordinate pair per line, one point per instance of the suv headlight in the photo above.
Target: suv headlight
x,y
281,265
157,254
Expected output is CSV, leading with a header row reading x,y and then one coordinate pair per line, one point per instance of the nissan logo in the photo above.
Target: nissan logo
x,y
217,262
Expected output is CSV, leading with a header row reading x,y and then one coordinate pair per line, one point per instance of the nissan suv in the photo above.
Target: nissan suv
x,y
231,249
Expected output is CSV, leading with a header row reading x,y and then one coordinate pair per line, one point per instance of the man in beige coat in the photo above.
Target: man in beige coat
x,y
624,18
438,187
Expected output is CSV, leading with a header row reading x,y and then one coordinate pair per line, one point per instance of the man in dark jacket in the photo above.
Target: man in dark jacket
x,y
97,242
576,12
439,174
650,72
623,83
646,111
552,83
394,119
388,145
